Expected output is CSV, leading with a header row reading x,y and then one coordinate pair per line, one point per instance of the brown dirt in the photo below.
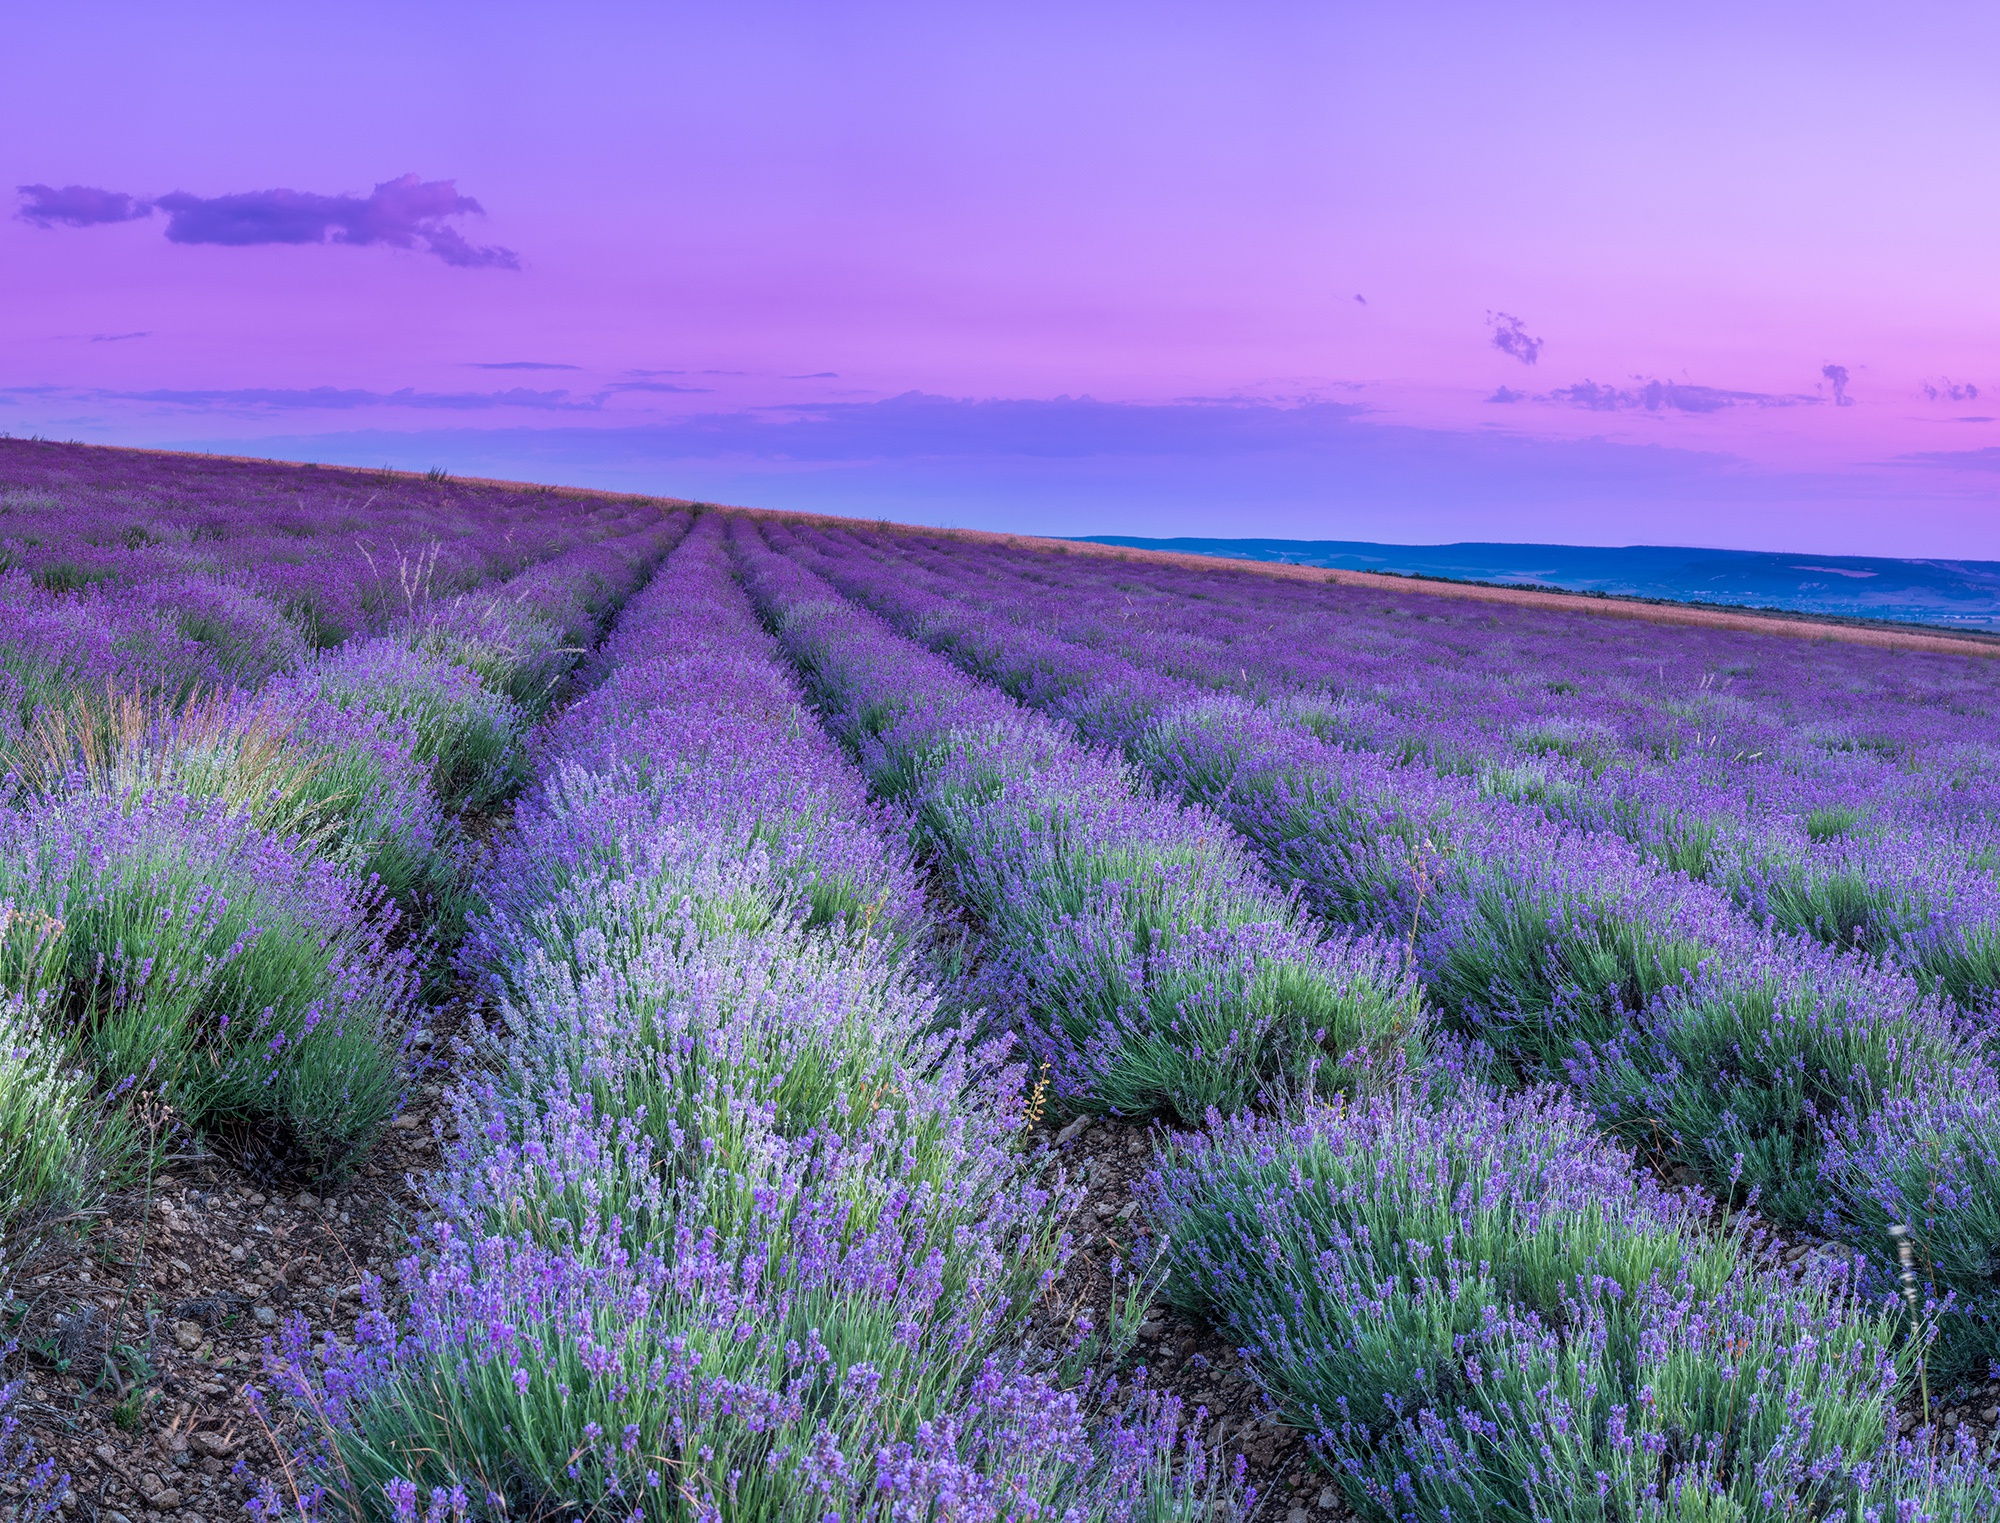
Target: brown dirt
x,y
140,1325
1180,1355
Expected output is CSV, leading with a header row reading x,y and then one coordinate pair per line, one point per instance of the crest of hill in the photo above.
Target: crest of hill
x,y
1244,557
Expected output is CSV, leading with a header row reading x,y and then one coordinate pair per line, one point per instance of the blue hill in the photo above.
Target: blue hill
x,y
1954,594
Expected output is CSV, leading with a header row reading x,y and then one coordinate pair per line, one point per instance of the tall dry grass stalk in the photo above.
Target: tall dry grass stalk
x,y
245,758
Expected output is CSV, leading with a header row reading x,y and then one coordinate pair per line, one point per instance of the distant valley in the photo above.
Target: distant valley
x,y
1950,593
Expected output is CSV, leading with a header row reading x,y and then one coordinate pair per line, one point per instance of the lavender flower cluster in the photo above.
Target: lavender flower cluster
x,y
735,1222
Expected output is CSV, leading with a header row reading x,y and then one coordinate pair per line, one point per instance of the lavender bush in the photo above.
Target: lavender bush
x,y
199,958
1483,1310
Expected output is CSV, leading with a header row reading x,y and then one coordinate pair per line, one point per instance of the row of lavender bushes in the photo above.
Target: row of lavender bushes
x,y
1849,794
1844,1093
736,1222
167,576
220,902
215,906
1520,929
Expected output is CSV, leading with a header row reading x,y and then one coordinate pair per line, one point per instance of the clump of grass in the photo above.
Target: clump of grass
x,y
340,783
513,651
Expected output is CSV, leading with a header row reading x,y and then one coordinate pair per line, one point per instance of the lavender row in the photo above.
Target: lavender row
x,y
338,552
1372,1394
217,910
1828,1086
1905,877
736,1221
523,635
1462,691
1646,688
161,578
1131,941
1891,856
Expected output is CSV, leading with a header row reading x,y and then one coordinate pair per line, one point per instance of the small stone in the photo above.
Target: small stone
x,y
1297,1515
1105,1209
256,1200
1326,1496
306,1198
236,1253
1151,1330
405,1123
215,1445
1793,1255
1129,1212
165,1500
1072,1130
1990,1415
188,1335
265,1316
114,1517
105,1454
150,1483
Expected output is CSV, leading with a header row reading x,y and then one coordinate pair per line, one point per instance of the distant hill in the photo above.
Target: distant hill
x,y
1954,594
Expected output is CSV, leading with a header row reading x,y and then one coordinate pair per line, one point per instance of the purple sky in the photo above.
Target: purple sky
x,y
1709,274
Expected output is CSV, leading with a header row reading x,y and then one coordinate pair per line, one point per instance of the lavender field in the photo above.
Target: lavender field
x,y
1556,1053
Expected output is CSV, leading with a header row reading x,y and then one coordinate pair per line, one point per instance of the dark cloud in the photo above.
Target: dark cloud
x,y
658,386
404,213
1361,299
1662,396
119,338
339,398
656,372
1943,389
1508,394
1836,376
1510,337
817,375
78,206
518,365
